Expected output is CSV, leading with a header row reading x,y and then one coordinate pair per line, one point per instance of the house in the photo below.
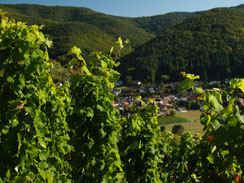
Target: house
x,y
142,91
159,87
126,91
182,109
169,98
115,104
214,83
136,82
59,84
159,102
182,98
227,81
119,83
151,90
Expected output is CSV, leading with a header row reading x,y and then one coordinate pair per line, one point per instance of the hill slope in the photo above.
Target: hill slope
x,y
90,30
210,44
68,26
160,23
240,6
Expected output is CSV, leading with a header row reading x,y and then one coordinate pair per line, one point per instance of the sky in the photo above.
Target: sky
x,y
135,8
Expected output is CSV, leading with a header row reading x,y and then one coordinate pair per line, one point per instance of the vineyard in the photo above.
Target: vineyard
x,y
72,133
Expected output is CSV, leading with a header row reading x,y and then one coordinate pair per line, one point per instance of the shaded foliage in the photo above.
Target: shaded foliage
x,y
160,23
210,41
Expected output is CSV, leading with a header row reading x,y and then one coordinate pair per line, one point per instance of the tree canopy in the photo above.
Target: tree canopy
x,y
211,40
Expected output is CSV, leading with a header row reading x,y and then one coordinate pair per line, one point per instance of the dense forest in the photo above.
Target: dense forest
x,y
159,23
90,30
68,26
208,42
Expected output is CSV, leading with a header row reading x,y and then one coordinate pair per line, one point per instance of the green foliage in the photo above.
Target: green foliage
x,y
96,145
172,112
69,26
160,23
139,145
33,129
128,80
165,78
217,155
180,161
188,83
178,129
223,121
208,42
94,122
223,142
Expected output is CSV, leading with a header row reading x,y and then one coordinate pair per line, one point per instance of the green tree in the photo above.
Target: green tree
x,y
178,129
165,78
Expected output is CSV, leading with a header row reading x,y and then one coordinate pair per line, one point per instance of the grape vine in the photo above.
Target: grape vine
x,y
94,122
33,129
139,144
72,133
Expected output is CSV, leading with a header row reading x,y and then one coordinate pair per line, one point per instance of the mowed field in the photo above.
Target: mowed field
x,y
189,120
191,115
193,127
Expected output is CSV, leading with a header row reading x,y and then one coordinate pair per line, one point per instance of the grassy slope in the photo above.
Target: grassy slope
x,y
190,115
171,119
181,117
185,119
193,127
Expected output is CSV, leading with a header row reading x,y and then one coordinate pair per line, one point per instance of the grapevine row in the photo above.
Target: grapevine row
x,y
72,133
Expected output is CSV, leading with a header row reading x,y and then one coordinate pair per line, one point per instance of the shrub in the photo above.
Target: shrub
x,y
172,112
178,129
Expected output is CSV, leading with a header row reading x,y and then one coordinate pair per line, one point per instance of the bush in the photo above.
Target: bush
x,y
172,112
178,129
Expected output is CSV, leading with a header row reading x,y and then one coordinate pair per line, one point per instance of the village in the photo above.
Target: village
x,y
166,97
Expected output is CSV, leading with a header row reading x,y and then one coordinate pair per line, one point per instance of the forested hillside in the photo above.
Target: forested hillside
x,y
67,26
208,42
90,30
240,6
159,23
